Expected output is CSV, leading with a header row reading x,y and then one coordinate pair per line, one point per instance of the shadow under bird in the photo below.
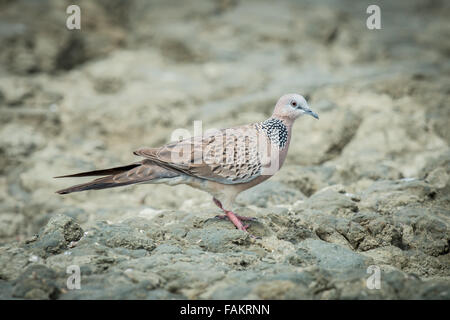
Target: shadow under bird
x,y
223,164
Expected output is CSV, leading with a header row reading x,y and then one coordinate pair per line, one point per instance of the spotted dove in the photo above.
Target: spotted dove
x,y
223,164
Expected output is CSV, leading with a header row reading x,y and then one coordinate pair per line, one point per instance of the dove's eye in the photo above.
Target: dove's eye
x,y
294,103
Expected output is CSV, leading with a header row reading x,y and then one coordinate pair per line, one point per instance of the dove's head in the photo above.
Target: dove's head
x,y
292,106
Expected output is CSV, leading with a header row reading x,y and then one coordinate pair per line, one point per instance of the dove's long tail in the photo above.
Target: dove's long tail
x,y
140,172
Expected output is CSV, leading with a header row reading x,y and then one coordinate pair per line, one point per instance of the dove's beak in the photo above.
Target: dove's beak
x,y
312,114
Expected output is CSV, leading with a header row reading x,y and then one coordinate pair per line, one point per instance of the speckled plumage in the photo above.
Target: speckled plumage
x,y
276,131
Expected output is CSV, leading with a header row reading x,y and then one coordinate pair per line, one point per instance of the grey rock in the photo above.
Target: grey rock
x,y
121,236
11,224
36,282
13,260
333,203
66,226
39,47
270,192
331,256
307,180
56,236
424,230
218,240
386,196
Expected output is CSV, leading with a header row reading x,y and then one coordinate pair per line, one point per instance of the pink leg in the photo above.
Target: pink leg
x,y
218,203
224,216
236,221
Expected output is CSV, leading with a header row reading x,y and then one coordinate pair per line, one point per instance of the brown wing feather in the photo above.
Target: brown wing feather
x,y
229,157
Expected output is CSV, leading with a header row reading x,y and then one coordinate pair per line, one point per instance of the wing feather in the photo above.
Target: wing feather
x,y
230,156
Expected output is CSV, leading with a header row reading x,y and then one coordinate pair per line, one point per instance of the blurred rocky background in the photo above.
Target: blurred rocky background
x,y
367,184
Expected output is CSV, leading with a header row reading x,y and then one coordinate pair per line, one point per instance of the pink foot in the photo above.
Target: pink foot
x,y
224,216
236,220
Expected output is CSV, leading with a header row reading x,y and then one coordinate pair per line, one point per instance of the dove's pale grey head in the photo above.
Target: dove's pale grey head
x,y
291,106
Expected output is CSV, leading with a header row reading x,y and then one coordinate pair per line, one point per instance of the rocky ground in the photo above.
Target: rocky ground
x,y
366,185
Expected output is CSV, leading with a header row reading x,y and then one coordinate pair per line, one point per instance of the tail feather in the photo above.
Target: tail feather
x,y
100,183
103,172
120,176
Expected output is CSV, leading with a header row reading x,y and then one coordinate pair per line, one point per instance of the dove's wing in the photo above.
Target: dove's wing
x,y
230,156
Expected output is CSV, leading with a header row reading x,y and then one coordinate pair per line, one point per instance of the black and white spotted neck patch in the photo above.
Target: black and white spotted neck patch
x,y
276,130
